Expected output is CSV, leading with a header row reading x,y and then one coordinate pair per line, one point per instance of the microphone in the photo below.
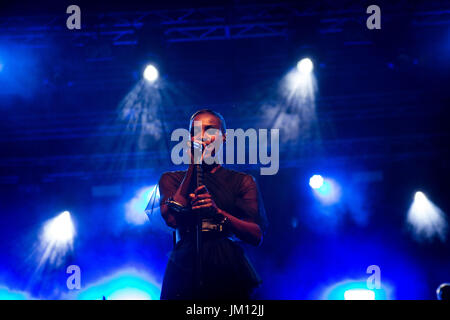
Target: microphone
x,y
197,151
197,145
199,148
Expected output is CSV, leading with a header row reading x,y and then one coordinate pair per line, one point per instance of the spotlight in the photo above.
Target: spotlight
x,y
151,73
56,240
305,66
8,294
426,219
359,294
59,230
355,290
420,197
316,181
326,190
126,284
135,209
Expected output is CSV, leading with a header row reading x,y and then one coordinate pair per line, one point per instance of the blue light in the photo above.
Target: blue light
x,y
426,220
359,294
124,285
56,240
60,230
135,208
328,192
325,188
18,70
316,181
354,290
151,73
305,66
7,294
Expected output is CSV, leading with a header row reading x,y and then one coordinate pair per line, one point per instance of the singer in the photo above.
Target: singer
x,y
212,209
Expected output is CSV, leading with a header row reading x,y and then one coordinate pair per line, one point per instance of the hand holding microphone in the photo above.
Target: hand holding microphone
x,y
198,149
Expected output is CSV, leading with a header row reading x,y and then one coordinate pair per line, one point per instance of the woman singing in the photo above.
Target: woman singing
x,y
210,264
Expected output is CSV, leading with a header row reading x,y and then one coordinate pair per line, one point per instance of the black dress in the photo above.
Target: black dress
x,y
226,271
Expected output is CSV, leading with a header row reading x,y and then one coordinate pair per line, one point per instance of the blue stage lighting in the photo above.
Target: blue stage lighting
x,y
151,73
124,285
56,240
420,198
326,190
298,90
359,294
426,219
135,208
60,229
305,66
354,290
316,181
8,294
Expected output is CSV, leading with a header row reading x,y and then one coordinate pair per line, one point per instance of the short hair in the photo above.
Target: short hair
x,y
223,126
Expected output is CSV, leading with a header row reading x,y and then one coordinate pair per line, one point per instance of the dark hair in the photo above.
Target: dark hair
x,y
223,126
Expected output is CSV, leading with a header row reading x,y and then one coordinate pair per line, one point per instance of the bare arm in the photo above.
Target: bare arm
x,y
247,231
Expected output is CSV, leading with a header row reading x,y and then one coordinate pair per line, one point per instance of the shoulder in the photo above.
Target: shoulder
x,y
171,176
177,173
241,179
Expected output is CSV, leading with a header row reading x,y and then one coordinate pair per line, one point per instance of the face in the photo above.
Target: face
x,y
208,132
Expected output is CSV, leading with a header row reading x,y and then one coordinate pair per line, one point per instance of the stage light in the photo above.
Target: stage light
x,y
426,219
359,294
355,290
60,229
326,190
296,113
420,198
130,294
56,240
316,181
151,73
8,294
126,284
305,66
135,208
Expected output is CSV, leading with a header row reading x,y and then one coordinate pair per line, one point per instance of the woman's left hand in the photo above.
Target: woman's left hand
x,y
201,200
